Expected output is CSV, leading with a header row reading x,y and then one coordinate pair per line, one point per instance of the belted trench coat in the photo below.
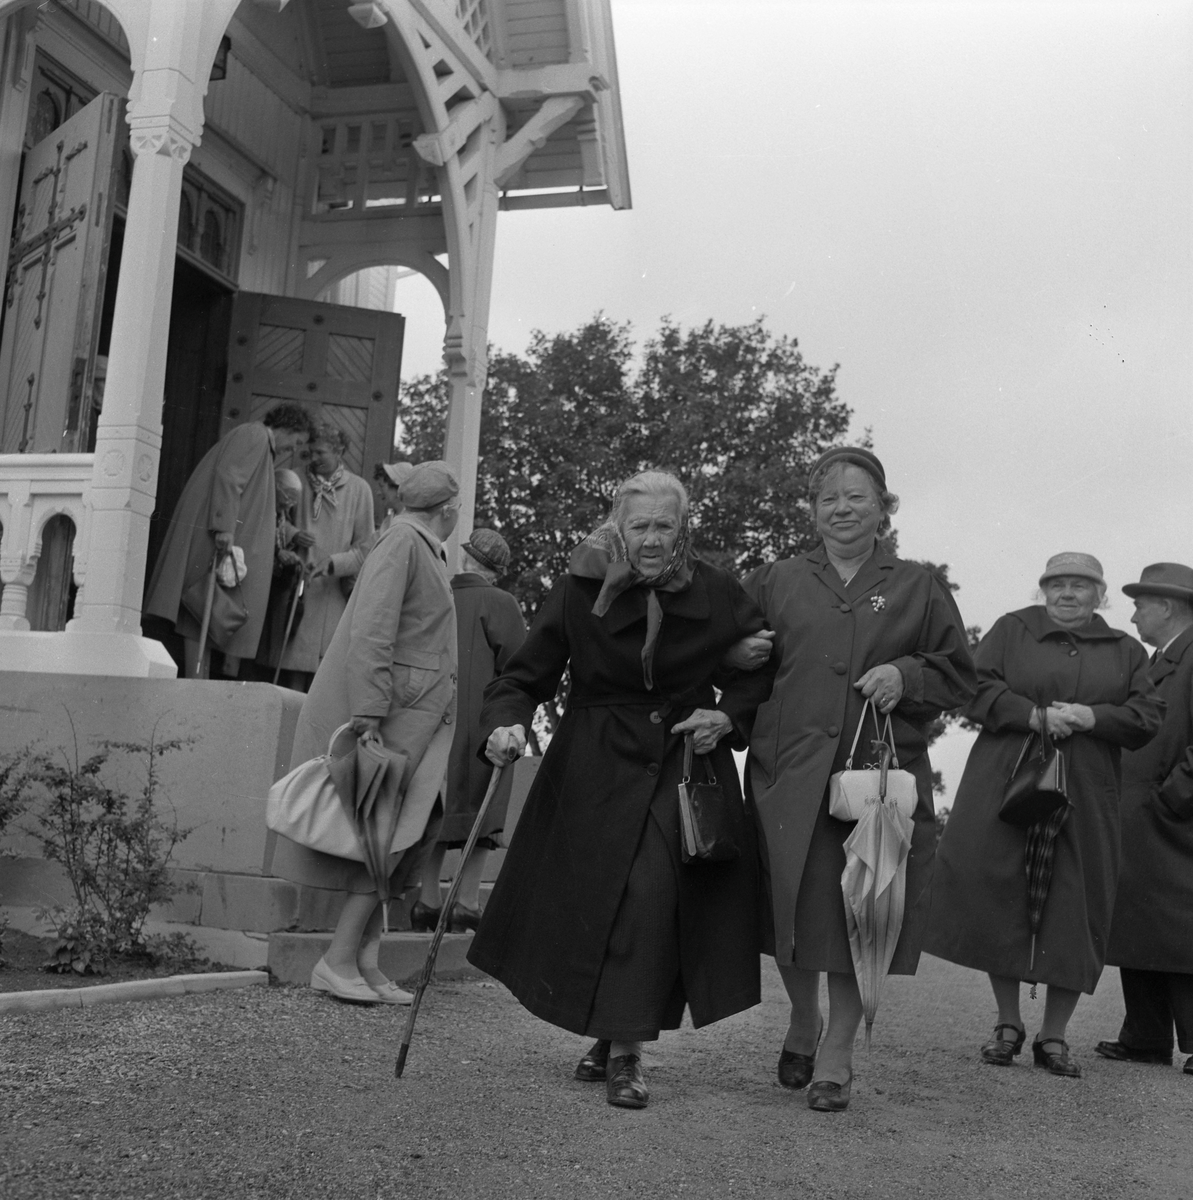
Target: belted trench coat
x,y
393,656
613,765
827,635
979,913
1152,928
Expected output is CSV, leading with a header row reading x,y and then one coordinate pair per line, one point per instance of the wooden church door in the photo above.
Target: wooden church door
x,y
55,283
342,363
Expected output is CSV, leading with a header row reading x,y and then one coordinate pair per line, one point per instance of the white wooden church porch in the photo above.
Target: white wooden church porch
x,y
479,105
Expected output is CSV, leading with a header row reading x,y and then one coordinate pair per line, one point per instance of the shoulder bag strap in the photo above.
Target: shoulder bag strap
x,y
888,736
687,759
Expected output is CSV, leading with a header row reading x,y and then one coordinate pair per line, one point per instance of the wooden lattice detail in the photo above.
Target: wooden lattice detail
x,y
350,357
279,348
474,16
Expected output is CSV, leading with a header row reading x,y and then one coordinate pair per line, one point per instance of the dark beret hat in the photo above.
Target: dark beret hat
x,y
851,454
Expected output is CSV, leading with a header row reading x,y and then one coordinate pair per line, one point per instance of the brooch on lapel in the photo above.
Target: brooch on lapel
x,y
879,602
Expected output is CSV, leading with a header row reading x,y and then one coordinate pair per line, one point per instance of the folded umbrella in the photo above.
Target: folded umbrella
x,y
1038,854
874,887
370,783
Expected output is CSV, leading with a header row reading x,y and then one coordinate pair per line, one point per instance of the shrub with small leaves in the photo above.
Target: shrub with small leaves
x,y
116,850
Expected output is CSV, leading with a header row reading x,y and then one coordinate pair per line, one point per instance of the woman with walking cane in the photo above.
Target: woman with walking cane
x,y
389,673
1034,903
597,923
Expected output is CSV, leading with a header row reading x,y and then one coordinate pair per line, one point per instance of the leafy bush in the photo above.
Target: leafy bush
x,y
115,849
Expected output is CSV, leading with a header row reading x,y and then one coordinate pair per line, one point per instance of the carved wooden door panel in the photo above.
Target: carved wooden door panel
x,y
55,282
340,362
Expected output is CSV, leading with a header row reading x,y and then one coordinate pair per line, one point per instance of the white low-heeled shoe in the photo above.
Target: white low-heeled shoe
x,y
324,979
390,993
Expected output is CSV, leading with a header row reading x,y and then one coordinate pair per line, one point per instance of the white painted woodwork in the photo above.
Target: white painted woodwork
x,y
349,148
54,287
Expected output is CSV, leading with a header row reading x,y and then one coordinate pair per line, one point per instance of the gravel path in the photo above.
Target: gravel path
x,y
281,1092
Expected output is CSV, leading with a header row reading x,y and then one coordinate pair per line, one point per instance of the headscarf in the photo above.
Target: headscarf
x,y
603,555
324,489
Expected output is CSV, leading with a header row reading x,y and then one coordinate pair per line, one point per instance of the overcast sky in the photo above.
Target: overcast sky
x,y
980,210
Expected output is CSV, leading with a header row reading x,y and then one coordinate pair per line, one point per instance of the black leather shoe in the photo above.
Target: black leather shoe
x,y
424,918
1057,1062
795,1070
462,918
1117,1052
1000,1051
625,1086
1189,1065
592,1067
826,1096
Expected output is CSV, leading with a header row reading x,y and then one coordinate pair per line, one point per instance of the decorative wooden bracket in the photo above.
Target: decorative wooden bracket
x,y
438,148
554,112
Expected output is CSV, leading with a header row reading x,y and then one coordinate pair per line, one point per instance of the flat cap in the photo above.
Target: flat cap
x,y
1173,580
851,454
397,473
1069,562
429,484
489,549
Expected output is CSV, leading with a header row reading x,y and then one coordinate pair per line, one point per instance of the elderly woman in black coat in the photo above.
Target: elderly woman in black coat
x,y
595,923
1062,663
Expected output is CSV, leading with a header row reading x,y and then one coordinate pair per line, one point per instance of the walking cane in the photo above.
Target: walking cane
x,y
298,591
445,913
206,623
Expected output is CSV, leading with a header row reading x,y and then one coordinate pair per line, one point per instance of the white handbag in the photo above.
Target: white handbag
x,y
306,807
849,791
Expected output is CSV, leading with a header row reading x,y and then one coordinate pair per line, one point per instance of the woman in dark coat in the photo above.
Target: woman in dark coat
x,y
1092,682
852,623
489,628
595,924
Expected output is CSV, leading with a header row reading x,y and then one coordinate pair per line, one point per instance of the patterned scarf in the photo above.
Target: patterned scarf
x,y
603,555
324,489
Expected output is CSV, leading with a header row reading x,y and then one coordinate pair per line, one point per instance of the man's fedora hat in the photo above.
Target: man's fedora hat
x,y
1164,579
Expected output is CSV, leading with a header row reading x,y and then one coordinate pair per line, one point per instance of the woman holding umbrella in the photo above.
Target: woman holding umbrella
x,y
852,623
1035,905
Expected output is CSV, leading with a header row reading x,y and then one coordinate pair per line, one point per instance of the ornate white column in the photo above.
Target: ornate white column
x,y
165,116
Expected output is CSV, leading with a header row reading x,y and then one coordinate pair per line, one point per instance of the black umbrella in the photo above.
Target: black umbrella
x,y
1038,856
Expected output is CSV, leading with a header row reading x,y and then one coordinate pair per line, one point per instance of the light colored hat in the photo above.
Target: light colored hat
x,y
429,484
489,549
1069,562
397,473
1173,580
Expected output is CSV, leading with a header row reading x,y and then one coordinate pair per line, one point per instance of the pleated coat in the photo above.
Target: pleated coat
x,y
230,491
1152,929
343,532
393,656
489,628
827,635
979,915
612,765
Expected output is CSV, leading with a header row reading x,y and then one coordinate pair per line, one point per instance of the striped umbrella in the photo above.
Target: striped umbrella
x,y
1038,856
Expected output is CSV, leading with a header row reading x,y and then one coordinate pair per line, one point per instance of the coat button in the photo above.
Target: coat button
x,y
846,608
655,719
833,731
652,769
1072,653
839,668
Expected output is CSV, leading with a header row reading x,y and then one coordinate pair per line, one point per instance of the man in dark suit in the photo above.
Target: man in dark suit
x,y
1151,937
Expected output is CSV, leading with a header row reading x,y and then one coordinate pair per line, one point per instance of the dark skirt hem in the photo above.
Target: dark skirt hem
x,y
989,966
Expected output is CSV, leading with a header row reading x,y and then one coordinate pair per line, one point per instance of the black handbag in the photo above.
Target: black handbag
x,y
1037,786
710,823
228,609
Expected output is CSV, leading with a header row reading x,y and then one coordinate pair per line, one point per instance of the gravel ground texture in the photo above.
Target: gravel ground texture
x,y
282,1092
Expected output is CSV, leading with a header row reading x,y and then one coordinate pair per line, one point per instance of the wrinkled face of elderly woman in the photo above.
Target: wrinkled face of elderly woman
x,y
650,526
848,510
1070,599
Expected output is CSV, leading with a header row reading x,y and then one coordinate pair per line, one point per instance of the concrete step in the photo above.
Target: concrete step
x,y
292,956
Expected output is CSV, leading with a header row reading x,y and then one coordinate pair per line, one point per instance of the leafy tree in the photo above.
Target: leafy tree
x,y
732,410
